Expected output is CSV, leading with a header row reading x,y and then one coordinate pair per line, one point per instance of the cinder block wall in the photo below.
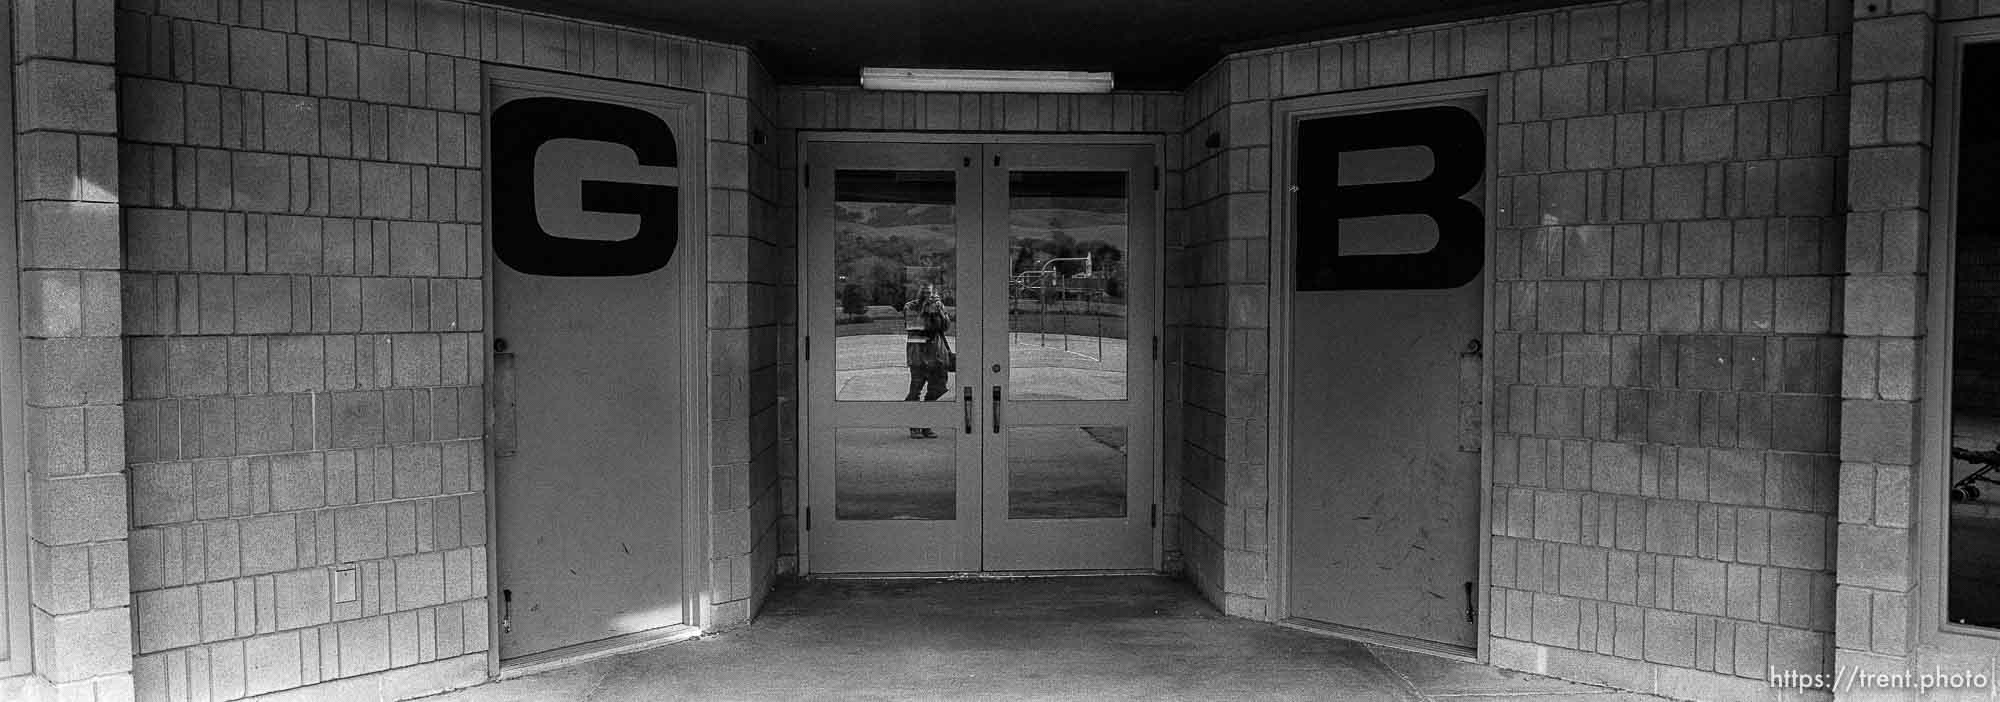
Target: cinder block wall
x,y
764,393
66,151
844,109
1667,373
744,414
303,349
1883,621
303,312
1221,321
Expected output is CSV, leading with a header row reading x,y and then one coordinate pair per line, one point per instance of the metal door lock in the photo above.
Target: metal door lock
x,y
499,345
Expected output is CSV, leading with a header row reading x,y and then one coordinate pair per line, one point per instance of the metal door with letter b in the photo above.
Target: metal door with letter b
x,y
1386,364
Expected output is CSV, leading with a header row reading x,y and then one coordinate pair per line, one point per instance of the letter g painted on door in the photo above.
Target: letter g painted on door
x,y
521,240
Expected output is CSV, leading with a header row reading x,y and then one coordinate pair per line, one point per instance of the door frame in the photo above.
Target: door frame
x,y
872,546
1284,114
1945,640
691,264
15,619
803,298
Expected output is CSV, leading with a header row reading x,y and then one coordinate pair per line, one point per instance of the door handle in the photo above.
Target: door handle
x,y
996,409
1470,416
968,408
1471,601
506,429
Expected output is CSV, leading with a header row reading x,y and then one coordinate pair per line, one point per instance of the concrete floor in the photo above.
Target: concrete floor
x,y
1096,638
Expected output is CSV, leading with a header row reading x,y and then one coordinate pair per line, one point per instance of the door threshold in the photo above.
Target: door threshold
x,y
983,574
593,650
1376,638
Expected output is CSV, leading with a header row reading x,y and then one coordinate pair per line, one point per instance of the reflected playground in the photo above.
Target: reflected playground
x,y
1055,472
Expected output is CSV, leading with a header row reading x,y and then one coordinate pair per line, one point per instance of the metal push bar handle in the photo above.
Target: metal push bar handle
x,y
996,409
968,408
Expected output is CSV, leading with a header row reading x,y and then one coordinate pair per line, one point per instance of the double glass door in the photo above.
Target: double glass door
x,y
981,357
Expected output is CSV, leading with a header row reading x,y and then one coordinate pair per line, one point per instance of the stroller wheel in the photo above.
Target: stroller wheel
x,y
1971,493
1964,493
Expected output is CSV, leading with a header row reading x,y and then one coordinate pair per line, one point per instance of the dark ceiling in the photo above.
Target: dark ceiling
x,y
1149,44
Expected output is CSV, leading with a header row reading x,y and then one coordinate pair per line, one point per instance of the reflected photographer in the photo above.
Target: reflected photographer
x,y
927,352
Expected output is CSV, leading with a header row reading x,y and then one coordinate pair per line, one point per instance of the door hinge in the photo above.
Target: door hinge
x,y
1154,519
806,170
1156,178
809,347
1156,347
996,159
1471,601
809,519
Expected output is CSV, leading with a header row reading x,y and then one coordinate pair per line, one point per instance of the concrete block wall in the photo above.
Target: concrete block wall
x,y
1888,192
753,300
1220,273
822,109
304,344
1666,411
66,149
776,268
304,317
1883,620
1705,375
743,425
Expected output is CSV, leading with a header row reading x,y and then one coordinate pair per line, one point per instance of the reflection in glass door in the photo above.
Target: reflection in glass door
x,y
1068,487
895,483
894,261
1032,451
1067,338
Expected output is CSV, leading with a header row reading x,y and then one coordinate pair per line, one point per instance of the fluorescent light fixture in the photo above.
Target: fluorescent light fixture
x,y
981,81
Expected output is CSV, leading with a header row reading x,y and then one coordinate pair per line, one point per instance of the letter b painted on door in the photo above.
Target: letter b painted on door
x,y
1330,200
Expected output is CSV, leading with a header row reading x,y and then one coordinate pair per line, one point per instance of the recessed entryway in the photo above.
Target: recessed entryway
x,y
981,354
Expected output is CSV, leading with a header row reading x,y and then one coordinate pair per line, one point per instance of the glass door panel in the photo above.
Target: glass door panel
x,y
890,243
1067,472
1074,394
895,235
1067,322
882,474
